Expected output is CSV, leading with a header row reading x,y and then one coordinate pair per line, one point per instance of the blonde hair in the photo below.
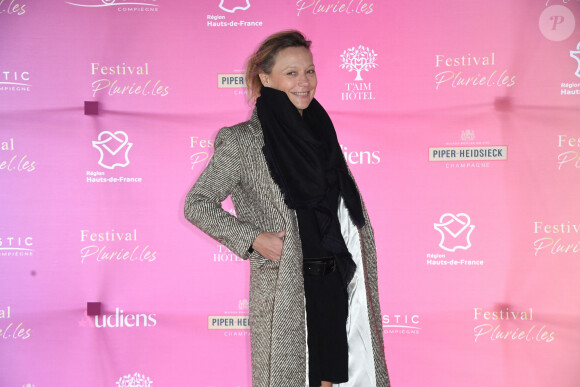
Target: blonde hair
x,y
264,58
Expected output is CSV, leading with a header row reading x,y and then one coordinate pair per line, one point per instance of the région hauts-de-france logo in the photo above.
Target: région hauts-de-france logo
x,y
576,55
113,148
232,6
358,59
455,231
135,380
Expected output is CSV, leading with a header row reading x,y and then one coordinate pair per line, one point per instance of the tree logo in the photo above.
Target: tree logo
x,y
135,380
358,59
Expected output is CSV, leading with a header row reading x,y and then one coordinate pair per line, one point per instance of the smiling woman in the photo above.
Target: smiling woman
x,y
293,73
314,310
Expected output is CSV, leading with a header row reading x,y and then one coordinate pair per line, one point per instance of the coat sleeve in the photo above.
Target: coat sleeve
x,y
203,205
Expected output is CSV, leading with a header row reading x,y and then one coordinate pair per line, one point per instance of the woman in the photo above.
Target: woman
x,y
314,308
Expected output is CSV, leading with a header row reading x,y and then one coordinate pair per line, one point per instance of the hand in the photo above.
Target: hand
x,y
269,244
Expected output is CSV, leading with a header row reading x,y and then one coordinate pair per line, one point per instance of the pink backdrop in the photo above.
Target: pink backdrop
x,y
462,131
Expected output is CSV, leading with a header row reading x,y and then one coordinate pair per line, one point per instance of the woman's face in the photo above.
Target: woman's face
x,y
293,73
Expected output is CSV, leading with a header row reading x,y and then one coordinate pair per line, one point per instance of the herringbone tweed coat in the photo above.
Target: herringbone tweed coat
x,y
277,307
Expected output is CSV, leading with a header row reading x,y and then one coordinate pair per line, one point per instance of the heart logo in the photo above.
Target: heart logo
x,y
115,141
455,230
454,224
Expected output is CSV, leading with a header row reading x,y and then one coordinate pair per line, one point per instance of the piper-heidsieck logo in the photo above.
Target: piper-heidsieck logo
x,y
569,152
235,81
461,71
113,149
556,238
401,324
126,79
118,5
334,7
359,60
503,323
134,380
455,232
468,153
15,80
11,329
13,7
16,246
231,14
115,246
233,323
13,161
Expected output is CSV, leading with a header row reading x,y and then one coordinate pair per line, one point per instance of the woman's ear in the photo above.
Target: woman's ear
x,y
264,78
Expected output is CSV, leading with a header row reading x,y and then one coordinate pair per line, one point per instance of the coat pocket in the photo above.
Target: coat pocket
x,y
257,261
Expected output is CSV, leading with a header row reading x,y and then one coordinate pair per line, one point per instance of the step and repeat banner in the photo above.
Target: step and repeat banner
x,y
460,121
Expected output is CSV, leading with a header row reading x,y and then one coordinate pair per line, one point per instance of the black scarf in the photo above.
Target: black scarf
x,y
303,155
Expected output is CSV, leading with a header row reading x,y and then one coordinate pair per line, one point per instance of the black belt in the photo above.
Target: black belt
x,y
319,266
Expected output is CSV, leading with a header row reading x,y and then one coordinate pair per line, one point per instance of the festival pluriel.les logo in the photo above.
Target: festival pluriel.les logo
x,y
13,161
203,148
126,79
502,323
334,7
115,246
569,151
478,70
11,329
135,380
358,59
455,231
113,149
556,239
17,8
